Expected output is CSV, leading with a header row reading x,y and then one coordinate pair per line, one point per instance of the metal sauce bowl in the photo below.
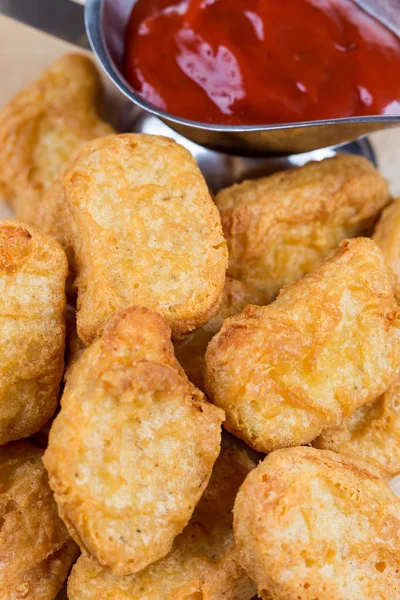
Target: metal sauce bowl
x,y
106,21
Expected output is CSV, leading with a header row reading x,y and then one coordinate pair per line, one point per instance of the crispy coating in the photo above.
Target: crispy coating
x,y
35,548
190,351
312,524
203,560
371,433
330,343
33,271
281,227
132,449
387,236
144,231
40,130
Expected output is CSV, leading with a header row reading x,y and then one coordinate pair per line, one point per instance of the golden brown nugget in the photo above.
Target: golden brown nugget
x,y
35,548
40,130
33,271
371,433
281,227
314,524
387,236
190,351
203,560
144,231
330,343
133,447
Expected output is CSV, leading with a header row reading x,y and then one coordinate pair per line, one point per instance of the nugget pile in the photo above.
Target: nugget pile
x,y
271,311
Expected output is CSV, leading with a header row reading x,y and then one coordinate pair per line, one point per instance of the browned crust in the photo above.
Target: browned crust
x,y
119,205
330,343
33,271
313,524
131,418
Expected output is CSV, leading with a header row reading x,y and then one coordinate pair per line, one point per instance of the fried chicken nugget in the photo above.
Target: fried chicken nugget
x,y
314,524
281,227
371,433
203,560
329,343
387,236
144,231
40,130
33,271
36,551
133,447
190,351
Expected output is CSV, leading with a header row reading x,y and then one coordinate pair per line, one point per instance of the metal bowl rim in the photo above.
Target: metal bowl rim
x,y
93,19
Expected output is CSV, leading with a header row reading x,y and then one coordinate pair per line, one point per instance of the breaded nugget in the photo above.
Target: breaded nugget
x,y
312,524
40,130
330,343
387,236
190,351
371,433
281,227
133,447
203,560
144,231
33,271
36,551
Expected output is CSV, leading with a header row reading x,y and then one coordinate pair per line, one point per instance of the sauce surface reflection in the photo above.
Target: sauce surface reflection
x,y
262,61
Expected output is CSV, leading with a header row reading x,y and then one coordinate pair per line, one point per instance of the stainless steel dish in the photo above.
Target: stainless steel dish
x,y
222,169
106,21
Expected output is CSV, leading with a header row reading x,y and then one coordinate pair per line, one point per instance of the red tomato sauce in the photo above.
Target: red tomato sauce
x,y
243,62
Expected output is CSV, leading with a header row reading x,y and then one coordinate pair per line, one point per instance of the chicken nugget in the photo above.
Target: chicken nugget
x,y
40,130
133,447
35,549
281,227
329,343
371,433
33,271
203,560
314,524
190,351
144,231
387,236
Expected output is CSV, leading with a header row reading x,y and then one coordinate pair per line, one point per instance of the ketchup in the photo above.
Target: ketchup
x,y
243,62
